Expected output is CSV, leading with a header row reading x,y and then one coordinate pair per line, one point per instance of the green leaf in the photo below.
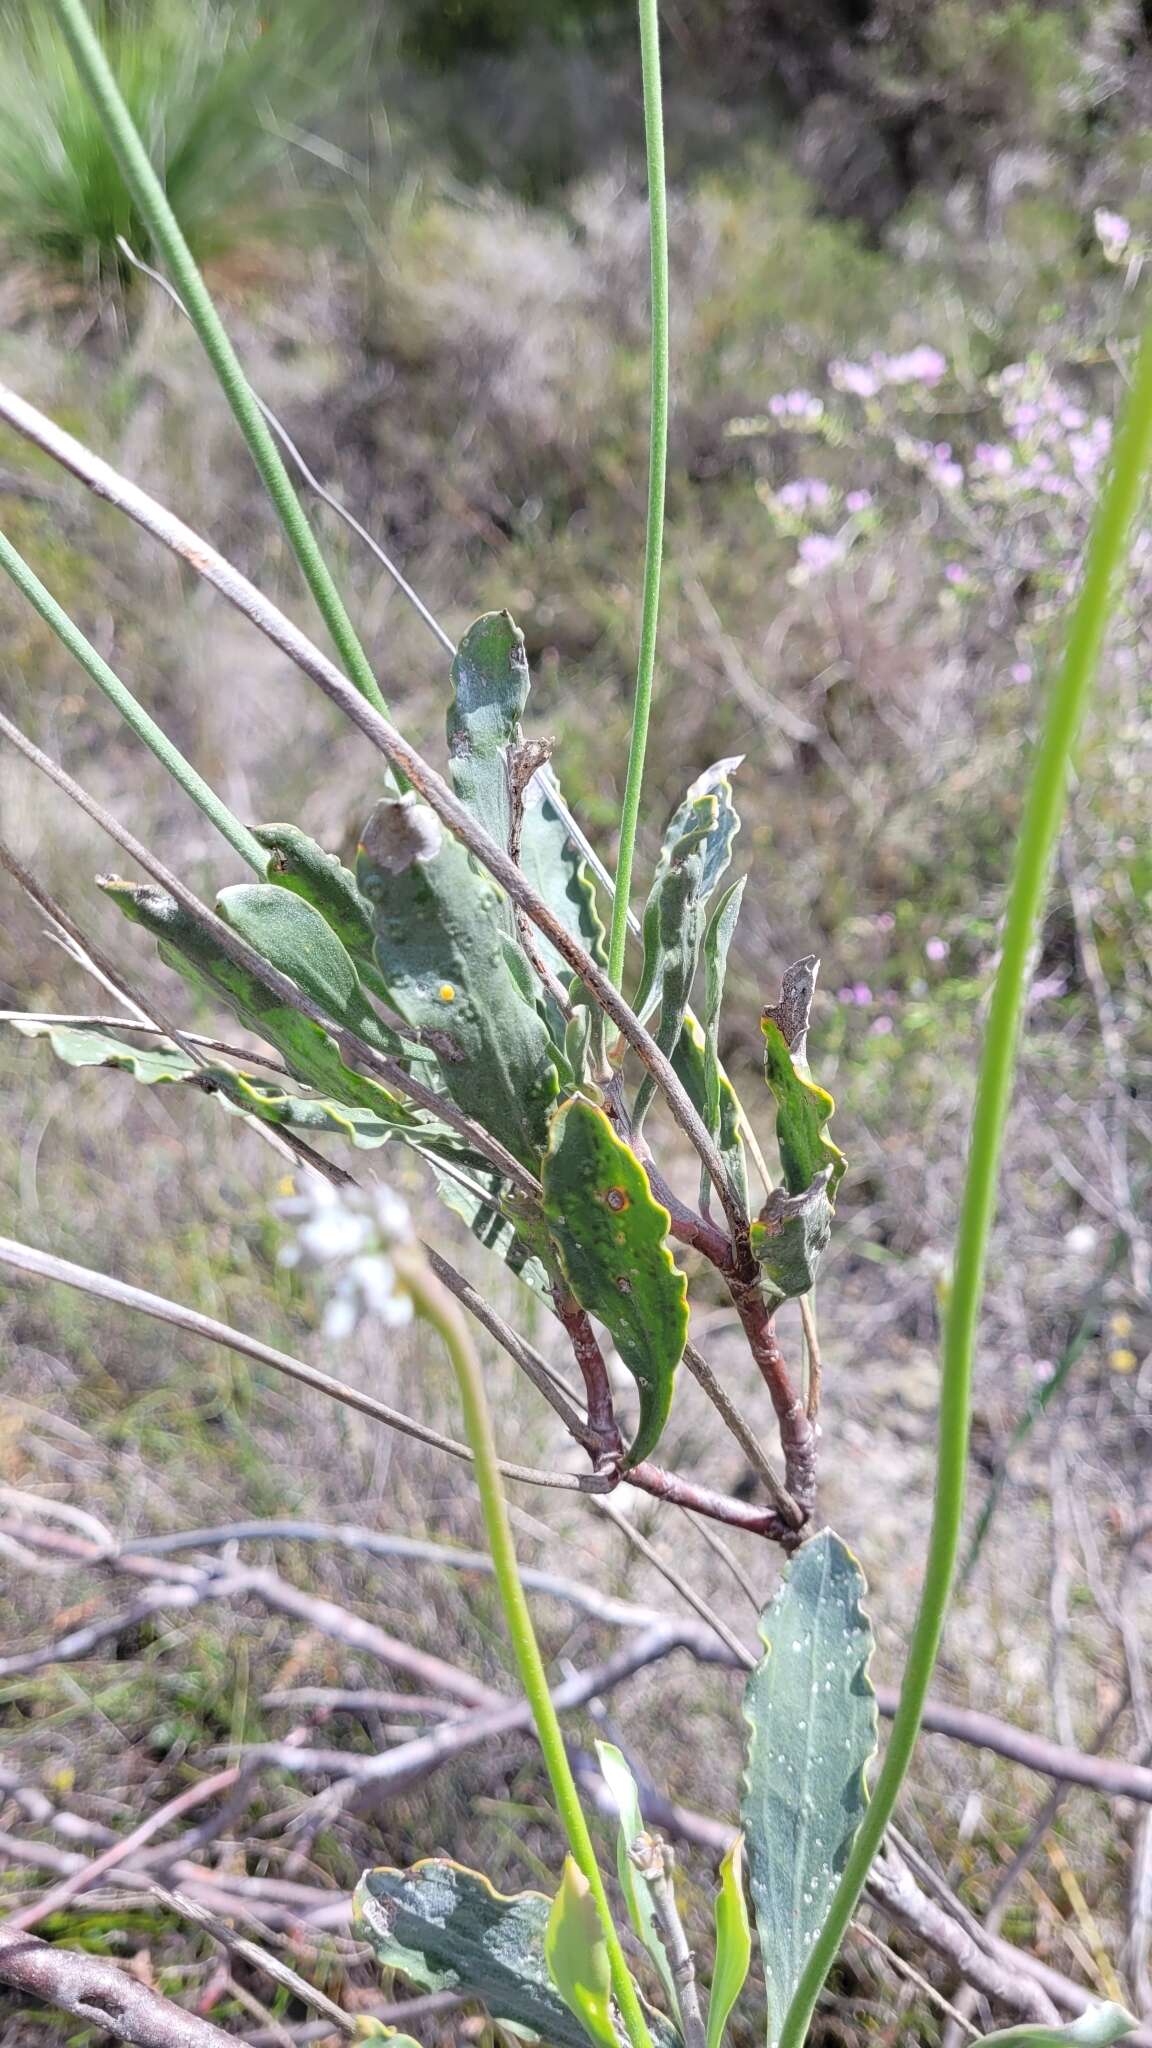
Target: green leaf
x,y
715,781
611,1235
577,1956
811,1712
448,1930
249,1094
1096,2028
720,1108
690,1060
551,860
635,1888
790,1236
708,821
489,691
732,1952
440,947
299,864
802,1110
287,931
306,1047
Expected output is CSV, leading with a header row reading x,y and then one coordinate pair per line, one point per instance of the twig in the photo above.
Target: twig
x,y
45,1266
655,1861
101,1995
797,1432
122,1850
728,1637
744,1434
607,1447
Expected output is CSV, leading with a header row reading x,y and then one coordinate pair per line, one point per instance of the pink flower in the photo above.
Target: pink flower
x,y
861,994
857,501
1113,232
854,378
803,493
955,573
921,365
949,475
820,551
936,949
880,1027
993,458
1021,671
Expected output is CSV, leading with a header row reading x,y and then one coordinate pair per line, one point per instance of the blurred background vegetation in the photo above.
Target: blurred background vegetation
x,y
428,228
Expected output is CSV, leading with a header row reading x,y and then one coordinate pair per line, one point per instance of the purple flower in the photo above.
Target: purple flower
x,y
861,994
857,501
1021,671
803,493
1113,232
949,475
993,458
937,949
880,1027
955,573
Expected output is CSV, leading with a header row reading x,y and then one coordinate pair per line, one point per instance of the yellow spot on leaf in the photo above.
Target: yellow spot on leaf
x,y
447,992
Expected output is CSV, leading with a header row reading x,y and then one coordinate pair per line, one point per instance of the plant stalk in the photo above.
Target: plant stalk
x,y
133,712
657,473
440,1308
152,202
1043,814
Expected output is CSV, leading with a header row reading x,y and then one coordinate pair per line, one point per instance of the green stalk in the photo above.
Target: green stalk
x,y
1044,810
440,1308
133,712
152,202
657,472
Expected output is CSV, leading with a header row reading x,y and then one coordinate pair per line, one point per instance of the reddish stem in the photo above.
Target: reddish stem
x,y
607,1452
719,1507
797,1432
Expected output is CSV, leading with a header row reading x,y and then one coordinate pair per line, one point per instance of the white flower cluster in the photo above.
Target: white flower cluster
x,y
347,1233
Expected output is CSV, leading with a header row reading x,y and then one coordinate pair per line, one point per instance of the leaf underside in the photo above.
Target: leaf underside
x,y
811,1713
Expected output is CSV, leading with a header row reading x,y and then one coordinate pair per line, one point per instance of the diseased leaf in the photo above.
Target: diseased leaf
x,y
446,1929
634,1886
551,860
673,927
83,1047
307,1049
790,1236
611,1235
811,1713
577,1956
714,781
720,1108
299,864
1096,2028
802,1110
440,948
732,1950
489,691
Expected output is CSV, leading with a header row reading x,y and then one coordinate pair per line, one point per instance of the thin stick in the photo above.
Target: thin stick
x,y
245,1054
150,197
108,1999
744,1434
657,471
728,1637
131,710
24,1258
1044,810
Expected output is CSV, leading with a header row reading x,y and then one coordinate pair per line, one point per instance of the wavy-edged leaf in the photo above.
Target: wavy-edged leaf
x,y
446,1929
577,1956
802,1110
636,1890
708,805
1096,2028
250,1094
551,860
612,1237
673,929
732,1949
714,781
490,686
790,1236
297,863
440,947
306,1047
811,1713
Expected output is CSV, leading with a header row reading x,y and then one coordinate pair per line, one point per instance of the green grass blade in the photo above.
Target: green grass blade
x,y
1107,551
154,208
657,471
134,714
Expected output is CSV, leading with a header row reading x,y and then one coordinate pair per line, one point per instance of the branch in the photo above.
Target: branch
x,y
101,1995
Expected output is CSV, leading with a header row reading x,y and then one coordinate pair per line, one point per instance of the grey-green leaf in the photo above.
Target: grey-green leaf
x,y
489,691
811,1713
446,1929
289,932
790,1236
471,1188
1096,2028
297,863
440,946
